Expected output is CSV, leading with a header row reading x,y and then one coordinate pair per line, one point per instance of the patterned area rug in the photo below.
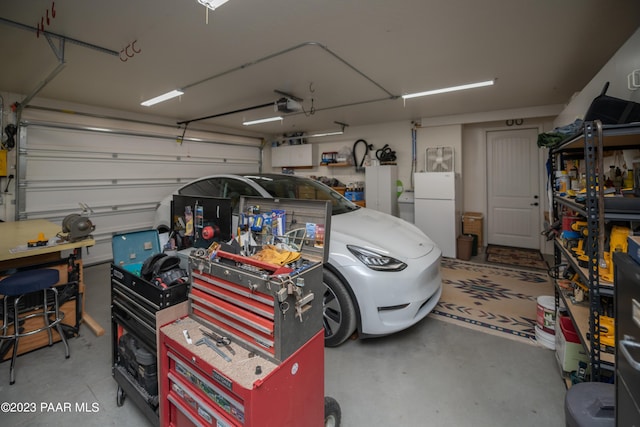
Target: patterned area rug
x,y
496,300
516,257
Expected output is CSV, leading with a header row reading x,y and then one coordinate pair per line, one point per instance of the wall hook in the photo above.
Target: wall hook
x,y
133,48
633,80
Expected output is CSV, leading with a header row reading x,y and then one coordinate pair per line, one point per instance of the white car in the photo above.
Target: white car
x,y
383,273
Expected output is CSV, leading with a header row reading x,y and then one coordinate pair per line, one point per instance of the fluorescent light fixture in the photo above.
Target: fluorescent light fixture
x,y
315,135
212,4
336,132
449,89
162,98
267,120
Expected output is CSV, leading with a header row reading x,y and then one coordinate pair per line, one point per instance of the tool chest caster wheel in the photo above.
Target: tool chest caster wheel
x,y
332,413
120,396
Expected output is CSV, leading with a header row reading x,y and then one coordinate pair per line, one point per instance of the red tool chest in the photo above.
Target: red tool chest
x,y
203,389
272,371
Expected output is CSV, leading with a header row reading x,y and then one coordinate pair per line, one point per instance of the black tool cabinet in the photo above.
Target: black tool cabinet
x,y
134,304
627,290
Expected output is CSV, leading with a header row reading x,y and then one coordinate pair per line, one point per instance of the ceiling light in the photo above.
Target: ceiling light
x,y
315,135
267,120
162,98
212,4
337,132
449,89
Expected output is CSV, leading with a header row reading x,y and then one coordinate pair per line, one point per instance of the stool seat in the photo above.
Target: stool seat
x,y
16,286
25,282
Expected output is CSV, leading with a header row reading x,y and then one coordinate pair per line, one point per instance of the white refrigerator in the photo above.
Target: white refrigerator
x,y
437,207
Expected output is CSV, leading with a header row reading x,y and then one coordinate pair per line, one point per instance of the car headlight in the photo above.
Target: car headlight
x,y
376,261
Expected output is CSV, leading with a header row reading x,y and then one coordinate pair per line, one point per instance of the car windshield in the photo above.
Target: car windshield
x,y
293,187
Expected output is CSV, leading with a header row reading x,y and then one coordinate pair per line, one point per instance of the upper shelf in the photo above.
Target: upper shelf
x,y
615,137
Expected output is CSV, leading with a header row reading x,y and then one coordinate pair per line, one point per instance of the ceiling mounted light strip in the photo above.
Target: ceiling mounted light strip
x,y
449,89
318,135
257,122
162,98
330,133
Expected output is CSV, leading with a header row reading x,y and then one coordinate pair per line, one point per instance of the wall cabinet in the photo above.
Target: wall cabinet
x,y
292,156
588,256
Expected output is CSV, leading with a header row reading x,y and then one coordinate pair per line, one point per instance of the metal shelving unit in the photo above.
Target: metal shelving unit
x,y
590,145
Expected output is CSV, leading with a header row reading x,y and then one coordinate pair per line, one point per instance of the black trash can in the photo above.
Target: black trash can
x,y
590,404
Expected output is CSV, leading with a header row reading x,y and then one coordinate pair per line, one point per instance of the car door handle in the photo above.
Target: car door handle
x,y
534,204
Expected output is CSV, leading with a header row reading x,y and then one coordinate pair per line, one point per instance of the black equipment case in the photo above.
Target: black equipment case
x,y
611,111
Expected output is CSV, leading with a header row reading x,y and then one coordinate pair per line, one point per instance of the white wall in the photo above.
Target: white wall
x,y
623,62
396,134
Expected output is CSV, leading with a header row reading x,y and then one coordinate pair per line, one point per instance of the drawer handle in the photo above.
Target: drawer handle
x,y
141,321
627,355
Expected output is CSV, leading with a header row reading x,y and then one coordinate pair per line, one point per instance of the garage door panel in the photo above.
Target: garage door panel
x,y
122,177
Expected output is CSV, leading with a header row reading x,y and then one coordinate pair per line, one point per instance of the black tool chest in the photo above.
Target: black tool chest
x,y
134,304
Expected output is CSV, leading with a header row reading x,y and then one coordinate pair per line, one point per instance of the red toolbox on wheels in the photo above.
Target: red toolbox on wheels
x,y
263,362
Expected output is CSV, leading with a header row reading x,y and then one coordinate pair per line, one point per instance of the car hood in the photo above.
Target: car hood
x,y
371,229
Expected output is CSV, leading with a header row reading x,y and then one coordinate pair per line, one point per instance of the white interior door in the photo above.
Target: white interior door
x,y
513,191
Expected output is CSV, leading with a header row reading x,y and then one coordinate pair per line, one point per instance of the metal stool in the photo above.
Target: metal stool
x,y
19,285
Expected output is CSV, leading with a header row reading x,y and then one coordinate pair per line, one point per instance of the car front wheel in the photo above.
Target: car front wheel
x,y
338,313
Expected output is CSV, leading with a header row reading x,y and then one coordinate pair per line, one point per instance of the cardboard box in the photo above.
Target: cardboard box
x,y
472,224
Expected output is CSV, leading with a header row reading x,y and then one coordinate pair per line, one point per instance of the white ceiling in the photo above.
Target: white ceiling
x,y
348,59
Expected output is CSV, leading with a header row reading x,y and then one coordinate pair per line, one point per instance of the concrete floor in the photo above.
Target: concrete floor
x,y
434,373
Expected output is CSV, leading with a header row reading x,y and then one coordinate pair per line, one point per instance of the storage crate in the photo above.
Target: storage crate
x,y
472,224
569,350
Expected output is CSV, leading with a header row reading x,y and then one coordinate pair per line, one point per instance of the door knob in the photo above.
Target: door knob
x,y
534,204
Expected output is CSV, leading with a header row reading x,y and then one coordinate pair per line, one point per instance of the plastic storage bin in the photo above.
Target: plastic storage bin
x,y
569,350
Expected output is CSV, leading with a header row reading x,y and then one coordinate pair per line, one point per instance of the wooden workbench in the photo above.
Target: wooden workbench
x,y
15,254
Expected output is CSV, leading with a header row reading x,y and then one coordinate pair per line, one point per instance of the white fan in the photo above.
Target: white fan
x,y
440,159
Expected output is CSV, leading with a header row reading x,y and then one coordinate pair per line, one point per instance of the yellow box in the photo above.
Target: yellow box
x,y
472,224
3,162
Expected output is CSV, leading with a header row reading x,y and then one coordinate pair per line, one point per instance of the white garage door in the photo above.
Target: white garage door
x,y
121,172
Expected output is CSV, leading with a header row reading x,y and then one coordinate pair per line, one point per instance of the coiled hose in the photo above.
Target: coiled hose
x,y
367,147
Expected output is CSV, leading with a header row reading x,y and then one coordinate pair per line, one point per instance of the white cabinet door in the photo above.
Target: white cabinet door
x,y
292,156
381,188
